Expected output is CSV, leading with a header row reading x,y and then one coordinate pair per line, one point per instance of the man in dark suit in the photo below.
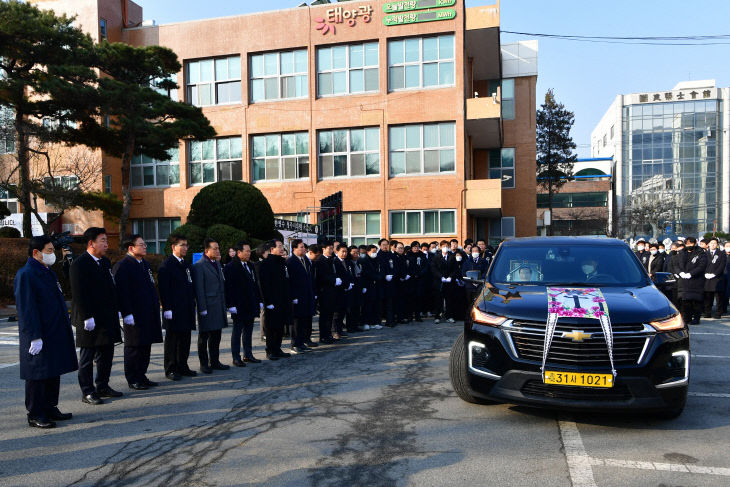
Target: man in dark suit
x,y
354,304
714,275
386,287
46,341
243,300
301,291
313,253
370,276
177,294
95,314
274,285
418,269
140,309
445,272
691,285
210,294
342,291
327,283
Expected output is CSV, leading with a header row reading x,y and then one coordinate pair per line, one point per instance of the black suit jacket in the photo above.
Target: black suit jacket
x,y
301,286
94,296
274,283
177,294
138,296
242,290
715,265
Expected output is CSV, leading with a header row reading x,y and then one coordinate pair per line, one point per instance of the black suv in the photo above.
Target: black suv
x,y
562,294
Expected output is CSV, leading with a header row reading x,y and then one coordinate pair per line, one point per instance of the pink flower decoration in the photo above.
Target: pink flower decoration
x,y
598,299
324,27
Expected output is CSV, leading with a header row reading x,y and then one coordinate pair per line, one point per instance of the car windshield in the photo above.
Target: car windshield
x,y
567,265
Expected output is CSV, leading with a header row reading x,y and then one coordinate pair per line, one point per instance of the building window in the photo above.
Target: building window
x,y
501,229
502,166
8,200
294,217
423,222
361,228
149,172
574,200
170,93
155,231
508,99
7,129
605,140
108,183
612,132
422,148
278,157
349,152
102,29
64,182
279,75
421,62
216,160
347,69
214,81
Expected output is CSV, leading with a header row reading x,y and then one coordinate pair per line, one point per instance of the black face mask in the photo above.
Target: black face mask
x,y
689,248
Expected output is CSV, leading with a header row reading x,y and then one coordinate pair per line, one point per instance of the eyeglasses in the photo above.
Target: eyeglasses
x,y
142,245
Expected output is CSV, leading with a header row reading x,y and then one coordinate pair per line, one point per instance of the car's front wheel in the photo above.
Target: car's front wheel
x,y
458,373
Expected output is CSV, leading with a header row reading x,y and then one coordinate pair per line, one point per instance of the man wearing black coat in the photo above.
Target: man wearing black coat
x,y
44,331
243,300
140,307
418,268
714,275
95,314
642,253
177,295
692,264
327,282
445,272
370,276
386,287
671,265
342,291
274,285
301,291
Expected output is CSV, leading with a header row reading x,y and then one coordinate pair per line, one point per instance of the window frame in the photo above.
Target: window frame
x,y
280,157
348,69
422,150
214,82
278,76
508,101
438,61
154,164
138,227
103,33
422,222
6,198
367,237
215,161
501,235
502,169
348,153
107,183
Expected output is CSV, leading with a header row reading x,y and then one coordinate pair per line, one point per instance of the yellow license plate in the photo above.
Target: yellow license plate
x,y
578,379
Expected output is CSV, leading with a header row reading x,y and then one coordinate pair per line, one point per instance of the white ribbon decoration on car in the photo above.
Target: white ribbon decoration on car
x,y
567,302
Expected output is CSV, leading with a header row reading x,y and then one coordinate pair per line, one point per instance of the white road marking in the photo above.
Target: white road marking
x,y
710,333
579,463
669,467
710,356
5,366
5,341
708,394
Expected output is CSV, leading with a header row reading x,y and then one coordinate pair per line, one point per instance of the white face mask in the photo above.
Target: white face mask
x,y
458,258
373,255
49,259
661,251
652,252
640,248
727,249
588,269
475,255
444,250
433,251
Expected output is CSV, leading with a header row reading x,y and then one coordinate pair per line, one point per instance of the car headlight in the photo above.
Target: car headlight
x,y
669,324
479,316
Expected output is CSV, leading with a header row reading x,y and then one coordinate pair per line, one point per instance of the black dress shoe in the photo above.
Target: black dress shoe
x,y
282,354
296,350
189,373
92,398
251,360
55,415
138,386
326,341
271,356
41,423
150,383
311,344
108,392
238,363
173,376
220,366
205,369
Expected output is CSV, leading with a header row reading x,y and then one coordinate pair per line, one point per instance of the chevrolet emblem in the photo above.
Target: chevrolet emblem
x,y
577,335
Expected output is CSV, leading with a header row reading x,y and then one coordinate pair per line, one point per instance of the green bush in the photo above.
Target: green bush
x,y
195,236
9,232
226,236
233,203
722,236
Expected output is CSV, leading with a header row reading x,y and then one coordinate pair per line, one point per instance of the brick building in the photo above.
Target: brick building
x,y
422,119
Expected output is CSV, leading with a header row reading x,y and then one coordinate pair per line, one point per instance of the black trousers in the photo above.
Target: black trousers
x,y
274,329
136,362
103,356
209,342
369,309
691,310
386,295
354,318
41,396
326,314
241,335
177,351
710,299
301,331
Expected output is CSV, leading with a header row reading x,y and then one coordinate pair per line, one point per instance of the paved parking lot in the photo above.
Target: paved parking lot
x,y
377,409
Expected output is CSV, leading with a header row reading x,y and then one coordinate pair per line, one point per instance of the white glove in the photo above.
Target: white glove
x,y
233,310
709,276
129,320
448,279
364,290
294,301
204,313
408,277
167,315
261,306
443,279
35,347
315,297
89,324
685,275
271,306
120,315
389,277
350,286
338,282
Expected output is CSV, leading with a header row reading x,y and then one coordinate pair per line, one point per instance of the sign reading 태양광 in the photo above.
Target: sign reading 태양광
x,y
406,5
339,15
418,17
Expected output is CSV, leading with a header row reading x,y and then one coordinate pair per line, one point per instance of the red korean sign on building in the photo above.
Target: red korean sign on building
x,y
342,15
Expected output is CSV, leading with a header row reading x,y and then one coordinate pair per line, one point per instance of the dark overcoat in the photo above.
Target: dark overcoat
x,y
177,294
138,297
42,313
242,290
210,294
695,263
301,286
715,265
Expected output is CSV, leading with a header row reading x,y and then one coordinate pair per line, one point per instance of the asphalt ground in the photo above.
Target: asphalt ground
x,y
375,409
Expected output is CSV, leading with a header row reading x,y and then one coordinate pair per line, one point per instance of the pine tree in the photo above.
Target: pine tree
x,y
555,147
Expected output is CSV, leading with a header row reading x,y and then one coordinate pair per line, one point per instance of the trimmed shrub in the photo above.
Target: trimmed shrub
x,y
226,235
195,236
233,203
9,232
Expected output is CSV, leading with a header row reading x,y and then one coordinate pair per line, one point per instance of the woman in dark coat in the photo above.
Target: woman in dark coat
x,y
691,286
46,341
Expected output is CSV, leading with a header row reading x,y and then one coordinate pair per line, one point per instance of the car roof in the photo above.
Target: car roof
x,y
592,241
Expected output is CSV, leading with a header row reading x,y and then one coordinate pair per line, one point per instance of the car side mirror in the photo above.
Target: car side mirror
x,y
473,277
663,278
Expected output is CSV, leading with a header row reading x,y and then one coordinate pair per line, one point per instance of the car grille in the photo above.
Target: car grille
x,y
629,341
536,388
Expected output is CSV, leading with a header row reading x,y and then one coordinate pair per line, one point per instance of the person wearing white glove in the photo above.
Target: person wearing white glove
x,y
44,334
273,276
364,290
167,315
301,289
389,277
714,284
294,301
338,282
233,310
709,276
694,263
129,320
89,324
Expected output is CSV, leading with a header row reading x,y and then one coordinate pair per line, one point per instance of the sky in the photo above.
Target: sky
x,y
585,76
